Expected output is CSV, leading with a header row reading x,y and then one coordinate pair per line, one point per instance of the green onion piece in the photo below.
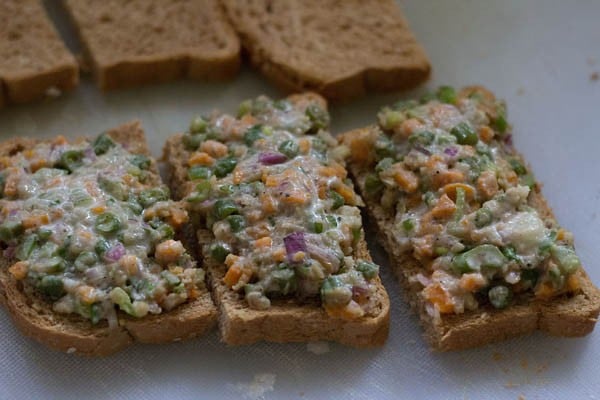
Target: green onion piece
x,y
10,230
483,217
408,224
500,296
201,193
252,135
153,195
193,141
198,172
101,247
289,148
140,161
482,256
447,94
224,208
70,160
337,198
51,286
224,166
25,249
424,138
219,252
318,117
236,222
373,185
85,260
567,260
285,278
517,166
384,164
198,125
107,223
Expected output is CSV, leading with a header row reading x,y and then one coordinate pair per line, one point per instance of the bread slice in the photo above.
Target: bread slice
x,y
134,42
71,333
33,58
339,49
287,319
568,315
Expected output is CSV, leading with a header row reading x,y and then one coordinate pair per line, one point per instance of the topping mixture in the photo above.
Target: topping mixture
x,y
280,206
461,201
87,229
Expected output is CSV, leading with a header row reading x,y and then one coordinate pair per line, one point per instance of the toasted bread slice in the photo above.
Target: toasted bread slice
x,y
287,319
569,315
131,43
67,332
339,49
33,59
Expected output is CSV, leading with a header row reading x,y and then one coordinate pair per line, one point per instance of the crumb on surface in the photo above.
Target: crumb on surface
x,y
520,91
510,385
318,347
497,356
521,397
255,390
524,363
594,76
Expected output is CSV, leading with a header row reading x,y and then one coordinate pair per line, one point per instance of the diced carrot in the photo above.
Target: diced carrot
x,y
410,126
347,312
99,209
28,154
271,180
231,259
11,185
193,292
263,242
544,291
35,220
254,215
450,190
444,208
59,140
423,246
19,270
168,251
233,275
413,200
334,169
86,293
129,263
486,134
200,158
512,177
472,282
214,148
258,230
487,184
304,145
327,171
279,254
361,144
238,176
269,205
5,161
406,180
561,234
436,295
177,217
37,164
445,176
295,195
574,283
346,192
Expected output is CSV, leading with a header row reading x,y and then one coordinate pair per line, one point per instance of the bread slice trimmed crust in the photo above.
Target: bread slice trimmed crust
x,y
287,320
339,49
567,315
71,333
33,58
135,42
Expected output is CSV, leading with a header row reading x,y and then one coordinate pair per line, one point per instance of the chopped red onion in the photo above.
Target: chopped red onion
x,y
271,158
451,151
115,253
294,242
508,140
9,252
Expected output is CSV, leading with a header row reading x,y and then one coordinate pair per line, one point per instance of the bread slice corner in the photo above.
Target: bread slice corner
x,y
566,316
72,334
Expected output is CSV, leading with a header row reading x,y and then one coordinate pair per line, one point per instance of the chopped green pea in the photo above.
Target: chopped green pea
x,y
285,278
447,94
201,192
289,148
70,160
198,172
25,248
236,222
102,144
252,135
424,138
391,118
140,161
510,253
224,166
198,125
331,221
373,184
408,224
80,197
153,195
384,164
384,147
193,141
528,180
369,269
500,296
85,260
337,198
483,217
224,207
51,286
464,134
10,230
517,166
101,247
318,117
107,223
318,226
44,233
219,252
500,123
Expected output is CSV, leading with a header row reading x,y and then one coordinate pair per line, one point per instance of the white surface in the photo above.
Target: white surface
x,y
538,55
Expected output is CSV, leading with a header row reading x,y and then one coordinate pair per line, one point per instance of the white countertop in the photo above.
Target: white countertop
x,y
538,55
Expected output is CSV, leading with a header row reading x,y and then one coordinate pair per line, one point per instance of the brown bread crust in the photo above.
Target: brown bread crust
x,y
340,49
568,316
135,42
71,333
33,58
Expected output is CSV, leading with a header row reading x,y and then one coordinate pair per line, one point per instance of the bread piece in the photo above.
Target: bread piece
x,y
130,43
33,58
287,319
71,333
339,49
568,315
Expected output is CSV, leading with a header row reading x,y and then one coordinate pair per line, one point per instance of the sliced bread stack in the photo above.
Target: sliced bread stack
x,y
34,61
134,42
339,48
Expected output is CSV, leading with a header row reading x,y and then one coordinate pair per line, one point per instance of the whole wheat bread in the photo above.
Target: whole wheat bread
x,y
338,48
70,333
33,58
569,315
287,320
135,42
